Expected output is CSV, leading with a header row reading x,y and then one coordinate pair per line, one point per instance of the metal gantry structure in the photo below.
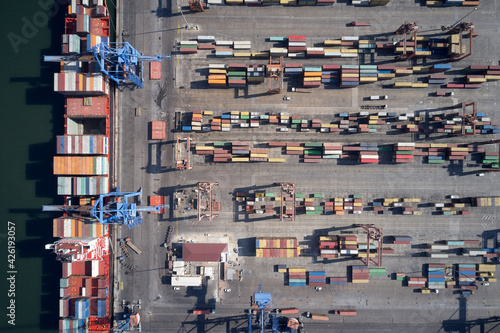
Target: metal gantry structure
x,y
461,28
182,155
287,191
205,194
263,300
122,208
120,61
406,29
373,234
274,71
469,119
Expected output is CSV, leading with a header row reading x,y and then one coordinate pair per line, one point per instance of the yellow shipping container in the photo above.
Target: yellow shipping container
x,y
486,268
242,54
358,204
331,50
350,75
295,148
235,113
290,253
226,125
309,199
349,242
497,201
425,291
360,281
368,79
244,113
282,270
476,79
276,160
349,50
459,149
491,279
399,49
277,198
296,270
216,120
257,155
312,79
366,41
208,113
386,75
204,148
240,159
217,71
439,145
332,42
492,77
372,122
402,84
260,54
458,205
422,53
259,253
420,38
373,117
298,251
454,39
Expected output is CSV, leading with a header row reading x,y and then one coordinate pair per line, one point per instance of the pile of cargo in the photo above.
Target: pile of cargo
x,y
487,272
296,46
217,75
72,83
81,165
328,247
416,282
278,247
403,152
297,277
447,3
436,274
158,130
368,153
401,240
317,279
349,76
360,274
337,280
466,276
82,186
348,245
312,77
491,159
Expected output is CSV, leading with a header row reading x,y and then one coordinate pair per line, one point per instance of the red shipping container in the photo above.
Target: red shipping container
x,y
155,70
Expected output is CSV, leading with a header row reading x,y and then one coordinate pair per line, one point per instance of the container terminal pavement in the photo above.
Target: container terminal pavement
x,y
302,166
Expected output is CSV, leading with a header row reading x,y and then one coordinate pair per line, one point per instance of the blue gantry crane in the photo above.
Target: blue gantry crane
x,y
120,61
263,300
124,208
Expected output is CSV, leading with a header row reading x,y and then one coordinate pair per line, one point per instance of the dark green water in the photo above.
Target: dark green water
x,y
31,117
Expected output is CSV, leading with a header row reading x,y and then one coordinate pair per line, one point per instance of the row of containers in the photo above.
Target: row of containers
x,y
451,3
73,44
334,246
299,277
64,227
353,122
276,247
235,75
314,152
274,2
72,83
343,47
83,308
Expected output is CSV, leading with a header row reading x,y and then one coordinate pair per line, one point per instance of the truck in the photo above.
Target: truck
x,y
287,310
378,97
316,316
360,24
203,311
302,90
132,246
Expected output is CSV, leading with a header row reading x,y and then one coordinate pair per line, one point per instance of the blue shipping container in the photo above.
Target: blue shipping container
x,y
317,273
101,308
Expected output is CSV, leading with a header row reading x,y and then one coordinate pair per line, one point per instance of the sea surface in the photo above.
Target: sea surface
x,y
31,117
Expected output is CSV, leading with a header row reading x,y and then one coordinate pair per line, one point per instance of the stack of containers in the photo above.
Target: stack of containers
x,y
79,84
296,46
209,42
457,153
482,202
297,277
491,159
330,74
386,72
401,239
487,271
221,153
196,120
82,186
188,46
378,272
69,227
255,73
294,148
241,149
82,308
437,79
337,280
281,52
348,245
224,51
204,150
258,155
349,49
94,107
357,203
217,75
332,150
455,46
368,153
237,75
317,279
466,275
416,282
281,268
81,165
403,152
400,276
312,152
367,73
360,274
349,76
279,247
312,77
82,24
436,276
67,325
293,69
70,44
315,52
332,52
328,247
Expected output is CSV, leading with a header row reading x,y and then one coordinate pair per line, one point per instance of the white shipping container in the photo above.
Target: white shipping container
x,y
350,38
370,157
438,255
313,49
323,251
406,144
224,42
439,247
217,66
189,42
382,114
297,44
333,152
402,118
206,38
